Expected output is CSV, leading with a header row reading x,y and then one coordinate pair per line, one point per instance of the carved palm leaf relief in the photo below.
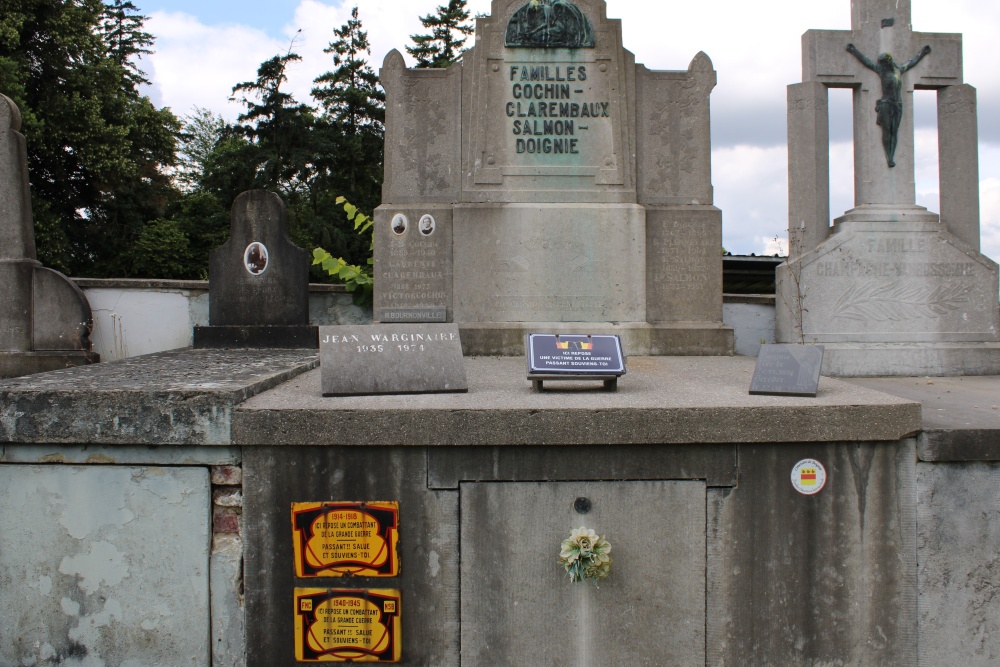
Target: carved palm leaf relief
x,y
896,301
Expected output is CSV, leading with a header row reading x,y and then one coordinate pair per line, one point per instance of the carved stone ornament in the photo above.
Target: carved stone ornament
x,y
550,24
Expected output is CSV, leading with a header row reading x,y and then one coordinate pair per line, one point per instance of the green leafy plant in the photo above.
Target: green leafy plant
x,y
357,279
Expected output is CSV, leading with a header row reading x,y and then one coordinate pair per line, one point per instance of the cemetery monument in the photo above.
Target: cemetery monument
x,y
891,288
258,282
45,320
518,196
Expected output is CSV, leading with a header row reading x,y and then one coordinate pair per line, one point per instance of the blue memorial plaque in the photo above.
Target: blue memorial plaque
x,y
574,357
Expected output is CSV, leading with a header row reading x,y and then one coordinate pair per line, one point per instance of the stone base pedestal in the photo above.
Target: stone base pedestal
x,y
286,337
892,292
907,359
16,364
561,262
638,338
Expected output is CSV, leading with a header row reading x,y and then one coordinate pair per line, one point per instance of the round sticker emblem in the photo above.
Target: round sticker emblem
x,y
809,477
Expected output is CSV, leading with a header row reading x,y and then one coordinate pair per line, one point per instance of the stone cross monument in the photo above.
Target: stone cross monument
x,y
890,288
548,183
45,320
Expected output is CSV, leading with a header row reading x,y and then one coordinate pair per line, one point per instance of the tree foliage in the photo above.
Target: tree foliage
x,y
98,152
351,129
121,188
449,28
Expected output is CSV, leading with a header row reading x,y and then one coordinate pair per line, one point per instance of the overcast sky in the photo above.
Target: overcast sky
x,y
205,47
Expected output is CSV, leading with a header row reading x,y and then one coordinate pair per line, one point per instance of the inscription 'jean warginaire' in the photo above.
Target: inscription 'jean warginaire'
x,y
890,107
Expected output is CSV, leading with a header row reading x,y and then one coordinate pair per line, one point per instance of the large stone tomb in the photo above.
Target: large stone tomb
x,y
891,288
518,196
258,282
45,319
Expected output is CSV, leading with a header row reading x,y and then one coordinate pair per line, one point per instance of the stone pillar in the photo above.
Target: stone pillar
x,y
958,156
808,167
17,239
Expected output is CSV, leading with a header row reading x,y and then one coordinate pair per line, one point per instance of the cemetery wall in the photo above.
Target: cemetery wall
x,y
135,317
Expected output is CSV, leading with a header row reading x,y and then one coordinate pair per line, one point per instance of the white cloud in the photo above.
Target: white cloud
x,y
198,65
750,187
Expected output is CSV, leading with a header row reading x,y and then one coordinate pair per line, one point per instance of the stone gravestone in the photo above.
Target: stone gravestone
x,y
258,282
392,359
45,320
518,196
891,288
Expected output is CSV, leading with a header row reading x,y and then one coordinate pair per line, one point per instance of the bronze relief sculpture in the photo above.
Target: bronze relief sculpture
x,y
550,24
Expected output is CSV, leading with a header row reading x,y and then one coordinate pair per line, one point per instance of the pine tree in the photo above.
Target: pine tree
x,y
122,29
277,125
352,128
449,29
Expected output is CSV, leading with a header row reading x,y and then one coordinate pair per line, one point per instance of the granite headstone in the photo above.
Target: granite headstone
x,y
549,213
787,370
391,359
891,288
258,282
45,320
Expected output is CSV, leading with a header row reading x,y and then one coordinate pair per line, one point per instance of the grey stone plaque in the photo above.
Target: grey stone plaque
x,y
787,370
391,359
413,264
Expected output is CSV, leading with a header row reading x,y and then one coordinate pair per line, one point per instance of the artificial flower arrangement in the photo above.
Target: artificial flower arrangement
x,y
585,555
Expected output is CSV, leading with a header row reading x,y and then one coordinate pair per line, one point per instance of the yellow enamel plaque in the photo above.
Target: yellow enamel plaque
x,y
347,625
340,539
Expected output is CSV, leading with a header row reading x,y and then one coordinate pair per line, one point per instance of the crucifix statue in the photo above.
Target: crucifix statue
x,y
889,108
884,167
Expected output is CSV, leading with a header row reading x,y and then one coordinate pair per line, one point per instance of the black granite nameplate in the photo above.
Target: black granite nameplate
x,y
391,359
787,370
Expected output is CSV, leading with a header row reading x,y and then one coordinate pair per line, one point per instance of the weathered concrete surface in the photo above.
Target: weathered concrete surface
x,y
228,618
961,415
428,546
661,400
121,455
520,609
958,556
104,566
182,397
447,467
828,579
